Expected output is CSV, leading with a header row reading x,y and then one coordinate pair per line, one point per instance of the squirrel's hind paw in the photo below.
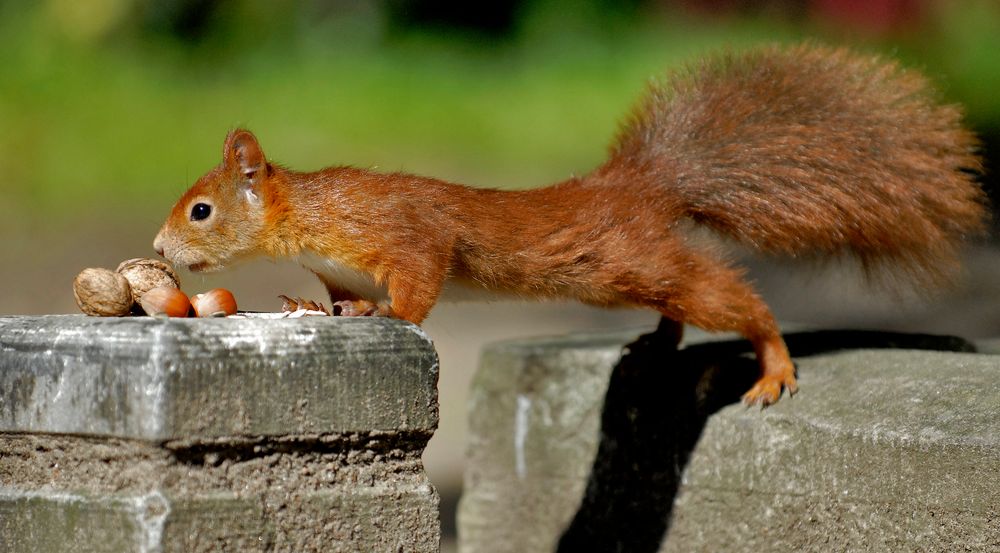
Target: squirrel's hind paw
x,y
767,390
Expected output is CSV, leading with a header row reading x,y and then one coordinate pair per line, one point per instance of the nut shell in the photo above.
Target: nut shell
x,y
218,302
102,293
145,274
165,301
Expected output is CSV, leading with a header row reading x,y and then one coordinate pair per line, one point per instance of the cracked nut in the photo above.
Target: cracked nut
x,y
102,293
145,274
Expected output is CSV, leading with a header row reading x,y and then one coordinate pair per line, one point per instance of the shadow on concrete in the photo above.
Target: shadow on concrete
x,y
658,401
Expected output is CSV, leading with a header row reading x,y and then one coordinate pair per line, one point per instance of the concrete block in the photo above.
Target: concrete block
x,y
613,443
215,435
157,379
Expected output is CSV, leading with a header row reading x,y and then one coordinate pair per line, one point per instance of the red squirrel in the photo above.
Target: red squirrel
x,y
801,151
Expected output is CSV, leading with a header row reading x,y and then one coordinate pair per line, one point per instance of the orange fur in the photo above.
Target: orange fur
x,y
802,151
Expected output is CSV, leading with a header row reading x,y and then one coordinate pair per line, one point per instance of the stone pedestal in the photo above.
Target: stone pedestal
x,y
608,443
156,435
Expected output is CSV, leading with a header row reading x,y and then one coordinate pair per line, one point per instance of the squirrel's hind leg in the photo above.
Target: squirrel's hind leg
x,y
714,297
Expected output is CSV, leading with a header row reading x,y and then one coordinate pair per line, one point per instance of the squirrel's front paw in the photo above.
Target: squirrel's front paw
x,y
289,305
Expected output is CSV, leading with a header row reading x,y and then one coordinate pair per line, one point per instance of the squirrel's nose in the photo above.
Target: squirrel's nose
x,y
158,245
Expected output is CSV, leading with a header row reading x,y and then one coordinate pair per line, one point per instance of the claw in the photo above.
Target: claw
x,y
288,304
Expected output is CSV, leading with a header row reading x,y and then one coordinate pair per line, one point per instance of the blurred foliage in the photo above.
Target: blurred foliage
x,y
111,103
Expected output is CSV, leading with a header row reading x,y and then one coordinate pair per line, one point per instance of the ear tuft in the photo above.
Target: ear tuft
x,y
242,153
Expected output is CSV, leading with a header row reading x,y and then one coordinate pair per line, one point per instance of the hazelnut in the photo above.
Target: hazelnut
x,y
145,274
165,301
214,303
102,293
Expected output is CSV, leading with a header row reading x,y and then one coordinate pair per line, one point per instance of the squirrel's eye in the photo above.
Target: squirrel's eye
x,y
200,212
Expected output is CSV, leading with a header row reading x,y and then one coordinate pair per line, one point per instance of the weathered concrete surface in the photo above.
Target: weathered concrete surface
x,y
158,379
577,448
215,435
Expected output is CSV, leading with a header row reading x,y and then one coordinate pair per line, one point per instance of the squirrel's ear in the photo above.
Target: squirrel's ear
x,y
242,152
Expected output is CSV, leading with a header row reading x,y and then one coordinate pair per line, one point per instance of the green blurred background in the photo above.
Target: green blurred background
x,y
109,109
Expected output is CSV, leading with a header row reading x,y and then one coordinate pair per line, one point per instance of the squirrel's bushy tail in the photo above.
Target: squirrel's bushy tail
x,y
812,150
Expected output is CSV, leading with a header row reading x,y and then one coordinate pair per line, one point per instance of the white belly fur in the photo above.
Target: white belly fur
x,y
343,276
363,285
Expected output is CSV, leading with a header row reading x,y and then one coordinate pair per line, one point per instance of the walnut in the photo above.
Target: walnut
x,y
145,274
103,293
